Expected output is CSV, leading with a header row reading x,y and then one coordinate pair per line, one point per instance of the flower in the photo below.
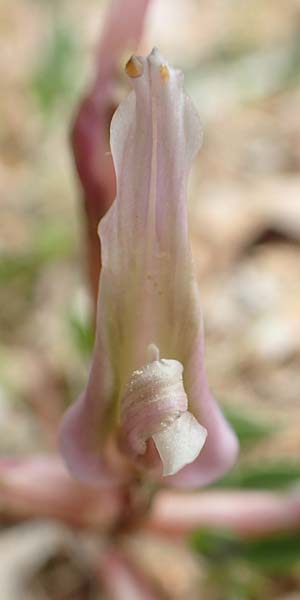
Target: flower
x,y
147,385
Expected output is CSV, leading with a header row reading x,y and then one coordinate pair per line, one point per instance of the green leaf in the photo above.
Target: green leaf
x,y
248,430
83,335
269,476
55,79
278,552
215,545
50,243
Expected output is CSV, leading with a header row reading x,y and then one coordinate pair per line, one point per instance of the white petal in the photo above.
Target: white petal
x,y
180,443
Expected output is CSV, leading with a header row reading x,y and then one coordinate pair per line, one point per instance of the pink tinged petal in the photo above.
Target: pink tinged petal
x,y
83,427
148,295
84,438
159,127
83,433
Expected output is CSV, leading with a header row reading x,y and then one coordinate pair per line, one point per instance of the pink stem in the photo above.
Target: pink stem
x,y
90,129
41,487
248,513
121,579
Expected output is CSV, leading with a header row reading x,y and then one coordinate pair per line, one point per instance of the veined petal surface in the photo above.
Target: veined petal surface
x,y
148,291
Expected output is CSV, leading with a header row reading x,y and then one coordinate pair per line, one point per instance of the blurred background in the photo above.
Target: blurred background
x,y
241,66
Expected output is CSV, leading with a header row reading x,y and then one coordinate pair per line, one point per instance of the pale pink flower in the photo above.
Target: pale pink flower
x,y
147,385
